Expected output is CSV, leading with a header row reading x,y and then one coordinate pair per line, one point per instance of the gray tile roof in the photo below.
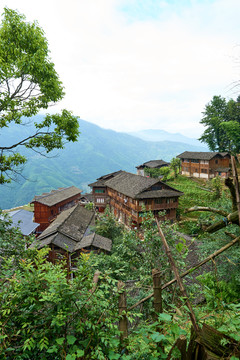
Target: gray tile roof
x,y
136,186
130,184
153,164
102,179
96,241
23,220
155,194
56,196
203,155
71,231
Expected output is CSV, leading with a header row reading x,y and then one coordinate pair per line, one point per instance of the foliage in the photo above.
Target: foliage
x,y
136,252
153,173
175,165
218,291
106,225
222,120
45,316
89,206
165,171
12,244
216,185
29,83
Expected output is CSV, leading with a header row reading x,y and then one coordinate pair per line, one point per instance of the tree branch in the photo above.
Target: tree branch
x,y
22,142
204,208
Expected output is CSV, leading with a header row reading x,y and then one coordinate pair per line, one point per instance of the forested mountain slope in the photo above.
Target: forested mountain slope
x,y
98,152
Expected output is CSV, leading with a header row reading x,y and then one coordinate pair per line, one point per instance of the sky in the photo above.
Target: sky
x,y
130,65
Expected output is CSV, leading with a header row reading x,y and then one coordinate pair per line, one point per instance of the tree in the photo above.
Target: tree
x,y
162,172
28,84
175,164
222,121
165,171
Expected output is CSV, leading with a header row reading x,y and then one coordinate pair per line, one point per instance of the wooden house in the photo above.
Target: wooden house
x,y
48,205
131,195
71,234
152,164
99,191
205,165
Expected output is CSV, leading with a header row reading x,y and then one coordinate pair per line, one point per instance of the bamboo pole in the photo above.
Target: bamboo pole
x,y
122,305
210,257
179,280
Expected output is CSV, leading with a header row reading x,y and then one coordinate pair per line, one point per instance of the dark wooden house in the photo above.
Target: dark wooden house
x,y
205,165
152,164
131,195
99,191
71,234
48,205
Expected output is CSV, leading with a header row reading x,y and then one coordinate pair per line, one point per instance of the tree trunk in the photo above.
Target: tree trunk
x,y
122,305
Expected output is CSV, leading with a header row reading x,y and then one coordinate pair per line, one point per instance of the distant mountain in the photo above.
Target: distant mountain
x,y
161,135
97,152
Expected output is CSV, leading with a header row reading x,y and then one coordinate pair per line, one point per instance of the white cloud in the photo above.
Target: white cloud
x,y
127,74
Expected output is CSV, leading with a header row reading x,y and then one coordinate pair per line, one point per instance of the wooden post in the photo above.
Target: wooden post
x,y
157,291
122,305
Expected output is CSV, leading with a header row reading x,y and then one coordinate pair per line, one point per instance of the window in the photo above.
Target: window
x,y
216,161
100,200
158,201
99,191
157,187
195,161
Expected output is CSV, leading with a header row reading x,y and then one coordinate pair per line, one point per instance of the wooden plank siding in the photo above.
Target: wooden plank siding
x,y
205,165
44,214
131,208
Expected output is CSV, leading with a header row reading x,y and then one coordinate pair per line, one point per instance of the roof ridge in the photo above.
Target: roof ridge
x,y
52,192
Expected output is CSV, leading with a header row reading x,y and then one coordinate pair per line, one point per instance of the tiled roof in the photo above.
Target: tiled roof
x,y
96,241
71,230
153,164
154,194
203,155
130,184
101,180
136,186
57,196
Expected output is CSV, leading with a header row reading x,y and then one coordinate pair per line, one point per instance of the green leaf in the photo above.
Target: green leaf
x,y
80,353
71,357
71,339
164,317
60,341
112,355
157,337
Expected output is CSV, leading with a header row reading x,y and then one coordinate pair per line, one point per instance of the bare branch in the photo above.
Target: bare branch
x,y
204,208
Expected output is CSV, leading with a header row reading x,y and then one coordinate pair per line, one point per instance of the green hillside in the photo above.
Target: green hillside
x,y
98,152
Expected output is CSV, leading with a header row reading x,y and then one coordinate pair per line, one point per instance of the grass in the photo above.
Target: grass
x,y
197,192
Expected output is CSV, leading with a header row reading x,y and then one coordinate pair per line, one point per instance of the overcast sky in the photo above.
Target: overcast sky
x,y
129,65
